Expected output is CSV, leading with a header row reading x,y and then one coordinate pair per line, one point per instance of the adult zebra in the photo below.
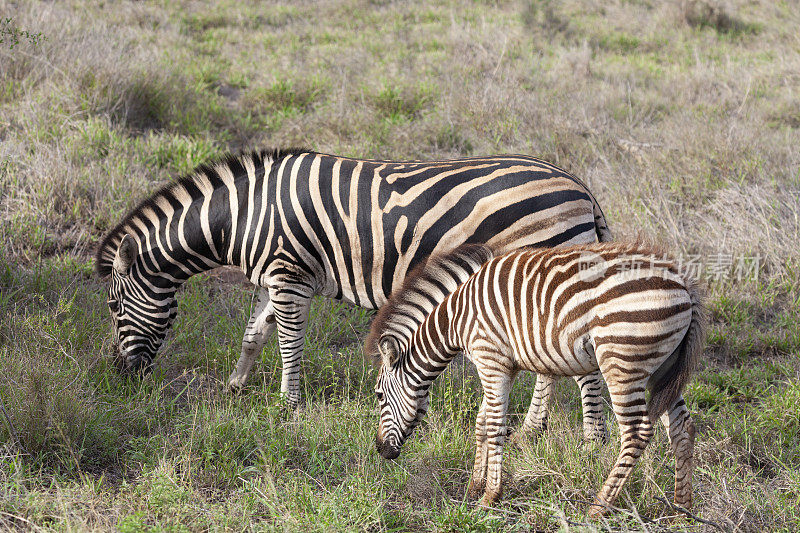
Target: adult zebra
x,y
621,308
300,223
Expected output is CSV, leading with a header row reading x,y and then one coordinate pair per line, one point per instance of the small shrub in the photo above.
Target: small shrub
x,y
713,14
451,139
401,103
286,96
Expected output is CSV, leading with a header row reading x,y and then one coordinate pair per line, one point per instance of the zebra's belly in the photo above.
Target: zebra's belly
x,y
576,360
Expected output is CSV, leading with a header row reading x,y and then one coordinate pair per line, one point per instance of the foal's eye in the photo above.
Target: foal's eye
x,y
113,305
379,395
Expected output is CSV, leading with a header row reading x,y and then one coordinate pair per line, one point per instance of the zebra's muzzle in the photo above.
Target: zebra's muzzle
x,y
136,362
139,363
386,449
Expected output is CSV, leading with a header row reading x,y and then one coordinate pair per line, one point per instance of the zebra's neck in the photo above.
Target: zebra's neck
x,y
174,248
435,344
221,214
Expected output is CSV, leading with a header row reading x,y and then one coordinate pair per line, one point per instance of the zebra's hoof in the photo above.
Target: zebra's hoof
x,y
234,389
684,504
236,382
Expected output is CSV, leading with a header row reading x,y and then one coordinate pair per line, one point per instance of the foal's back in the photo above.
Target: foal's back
x,y
551,310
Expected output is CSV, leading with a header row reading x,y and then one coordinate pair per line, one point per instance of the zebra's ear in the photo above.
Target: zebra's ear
x,y
390,351
126,253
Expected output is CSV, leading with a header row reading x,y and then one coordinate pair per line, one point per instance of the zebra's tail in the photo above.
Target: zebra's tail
x,y
600,225
668,381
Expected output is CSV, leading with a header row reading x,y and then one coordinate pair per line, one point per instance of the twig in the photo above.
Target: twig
x,y
17,517
688,513
14,435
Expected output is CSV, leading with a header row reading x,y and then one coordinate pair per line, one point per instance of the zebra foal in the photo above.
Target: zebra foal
x,y
619,308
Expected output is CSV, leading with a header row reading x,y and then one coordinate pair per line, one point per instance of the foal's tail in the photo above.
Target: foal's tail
x,y
668,381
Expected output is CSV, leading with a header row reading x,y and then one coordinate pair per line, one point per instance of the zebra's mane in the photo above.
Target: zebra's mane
x,y
107,249
425,287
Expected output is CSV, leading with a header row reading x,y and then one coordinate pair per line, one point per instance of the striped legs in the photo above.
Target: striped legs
x,y
477,483
490,434
594,423
291,303
260,326
635,428
680,429
536,418
591,386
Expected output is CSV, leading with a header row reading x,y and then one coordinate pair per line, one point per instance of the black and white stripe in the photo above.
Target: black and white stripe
x,y
299,223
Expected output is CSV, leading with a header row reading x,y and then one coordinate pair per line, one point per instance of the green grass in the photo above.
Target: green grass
x,y
681,117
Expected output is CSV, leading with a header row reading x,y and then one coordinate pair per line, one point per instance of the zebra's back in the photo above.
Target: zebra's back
x,y
360,226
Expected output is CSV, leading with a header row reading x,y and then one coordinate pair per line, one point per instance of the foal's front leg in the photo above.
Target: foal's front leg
x,y
496,389
478,482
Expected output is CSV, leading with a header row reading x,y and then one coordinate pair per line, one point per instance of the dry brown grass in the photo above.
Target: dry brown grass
x,y
682,116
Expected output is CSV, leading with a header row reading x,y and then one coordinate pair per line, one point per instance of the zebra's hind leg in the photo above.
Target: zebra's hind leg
x,y
594,423
536,418
292,304
681,431
635,428
260,326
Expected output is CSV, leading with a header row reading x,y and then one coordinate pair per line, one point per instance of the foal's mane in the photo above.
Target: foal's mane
x,y
405,300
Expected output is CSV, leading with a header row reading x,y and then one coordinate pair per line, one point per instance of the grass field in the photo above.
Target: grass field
x,y
682,116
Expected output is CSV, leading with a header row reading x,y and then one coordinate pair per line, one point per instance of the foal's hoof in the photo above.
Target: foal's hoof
x,y
598,508
489,500
683,505
475,489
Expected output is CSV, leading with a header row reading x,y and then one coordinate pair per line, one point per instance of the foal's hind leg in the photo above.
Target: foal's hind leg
x,y
477,483
635,428
680,429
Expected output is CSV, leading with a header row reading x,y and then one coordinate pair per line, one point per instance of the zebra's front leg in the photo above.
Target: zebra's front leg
x,y
496,390
291,305
260,326
594,422
538,412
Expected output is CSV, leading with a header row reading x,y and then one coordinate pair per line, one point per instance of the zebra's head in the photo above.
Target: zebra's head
x,y
402,401
141,313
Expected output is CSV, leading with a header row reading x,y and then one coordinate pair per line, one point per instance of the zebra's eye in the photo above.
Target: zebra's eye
x,y
113,305
379,395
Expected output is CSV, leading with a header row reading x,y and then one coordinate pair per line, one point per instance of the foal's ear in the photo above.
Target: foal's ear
x,y
126,253
390,350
